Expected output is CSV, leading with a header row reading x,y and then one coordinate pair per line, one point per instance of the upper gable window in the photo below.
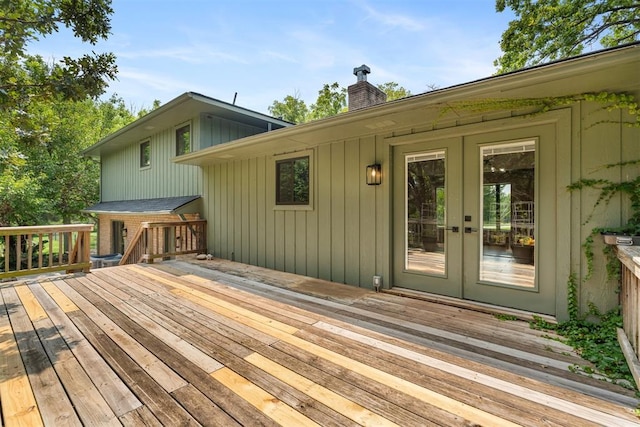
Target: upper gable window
x,y
292,181
183,140
145,154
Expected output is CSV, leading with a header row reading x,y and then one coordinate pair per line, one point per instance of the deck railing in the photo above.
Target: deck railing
x,y
629,336
165,240
45,248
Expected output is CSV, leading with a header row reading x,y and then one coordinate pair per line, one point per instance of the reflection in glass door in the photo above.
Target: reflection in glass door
x,y
425,209
508,214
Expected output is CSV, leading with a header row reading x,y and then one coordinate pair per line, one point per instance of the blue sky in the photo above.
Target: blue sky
x,y
265,50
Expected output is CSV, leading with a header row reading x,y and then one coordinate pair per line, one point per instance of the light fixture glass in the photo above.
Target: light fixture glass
x,y
374,174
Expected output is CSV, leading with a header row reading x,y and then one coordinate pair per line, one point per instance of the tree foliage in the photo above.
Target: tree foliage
x,y
547,30
292,109
43,176
332,100
394,90
24,77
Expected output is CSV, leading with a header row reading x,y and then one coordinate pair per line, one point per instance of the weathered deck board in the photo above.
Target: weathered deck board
x,y
529,419
176,344
115,392
87,400
19,407
54,404
550,367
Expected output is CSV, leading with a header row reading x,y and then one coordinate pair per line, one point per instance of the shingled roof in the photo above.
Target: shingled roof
x,y
161,205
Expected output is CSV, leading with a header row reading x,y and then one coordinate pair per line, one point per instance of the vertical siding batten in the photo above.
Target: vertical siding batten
x,y
253,212
261,212
301,242
352,196
245,212
236,208
289,241
337,212
324,208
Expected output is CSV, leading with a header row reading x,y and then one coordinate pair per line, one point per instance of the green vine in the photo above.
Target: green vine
x,y
607,189
572,297
593,336
587,246
611,101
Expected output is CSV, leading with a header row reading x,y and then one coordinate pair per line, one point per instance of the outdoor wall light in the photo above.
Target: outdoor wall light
x,y
124,232
374,174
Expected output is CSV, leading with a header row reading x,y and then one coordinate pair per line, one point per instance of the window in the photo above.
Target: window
x,y
145,154
183,140
292,181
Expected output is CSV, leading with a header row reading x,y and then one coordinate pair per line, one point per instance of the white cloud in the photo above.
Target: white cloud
x,y
392,20
193,54
142,81
279,56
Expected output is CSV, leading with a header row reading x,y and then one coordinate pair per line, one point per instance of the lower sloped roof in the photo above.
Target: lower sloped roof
x,y
160,205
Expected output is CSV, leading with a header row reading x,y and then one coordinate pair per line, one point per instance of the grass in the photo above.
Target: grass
x,y
93,243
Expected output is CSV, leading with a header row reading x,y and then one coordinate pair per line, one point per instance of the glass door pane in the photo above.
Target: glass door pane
x,y
508,214
425,207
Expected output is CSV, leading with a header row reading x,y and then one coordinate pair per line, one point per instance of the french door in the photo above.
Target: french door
x,y
471,219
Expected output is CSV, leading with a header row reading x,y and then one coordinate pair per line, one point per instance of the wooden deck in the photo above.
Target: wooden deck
x,y
220,343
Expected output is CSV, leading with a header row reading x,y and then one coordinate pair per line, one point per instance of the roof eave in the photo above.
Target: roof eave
x,y
493,86
95,150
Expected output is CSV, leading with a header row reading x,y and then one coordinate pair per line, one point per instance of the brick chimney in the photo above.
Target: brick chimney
x,y
363,94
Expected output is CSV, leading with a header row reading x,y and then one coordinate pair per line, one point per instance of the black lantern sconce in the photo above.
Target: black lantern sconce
x,y
124,233
374,174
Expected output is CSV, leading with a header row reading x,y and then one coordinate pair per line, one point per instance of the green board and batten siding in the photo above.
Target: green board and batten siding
x,y
346,235
164,178
339,238
216,130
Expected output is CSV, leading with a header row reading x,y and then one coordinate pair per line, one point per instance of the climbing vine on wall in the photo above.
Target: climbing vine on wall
x,y
610,101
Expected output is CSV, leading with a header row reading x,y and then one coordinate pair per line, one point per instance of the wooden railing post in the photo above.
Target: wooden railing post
x,y
31,259
629,337
166,239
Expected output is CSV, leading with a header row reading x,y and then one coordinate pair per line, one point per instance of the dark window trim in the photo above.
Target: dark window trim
x,y
180,148
292,160
142,157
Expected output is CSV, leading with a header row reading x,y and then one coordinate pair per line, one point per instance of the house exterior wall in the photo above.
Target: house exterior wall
x,y
347,234
216,130
601,139
122,178
132,224
334,240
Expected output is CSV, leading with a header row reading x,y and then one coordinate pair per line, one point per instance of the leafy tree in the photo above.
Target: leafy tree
x,y
144,111
113,115
24,77
292,109
546,30
332,99
20,202
394,91
43,176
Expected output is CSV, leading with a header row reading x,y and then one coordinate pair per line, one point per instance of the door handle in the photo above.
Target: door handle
x,y
470,230
454,229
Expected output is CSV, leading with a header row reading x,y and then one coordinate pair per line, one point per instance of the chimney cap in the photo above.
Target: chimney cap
x,y
361,72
